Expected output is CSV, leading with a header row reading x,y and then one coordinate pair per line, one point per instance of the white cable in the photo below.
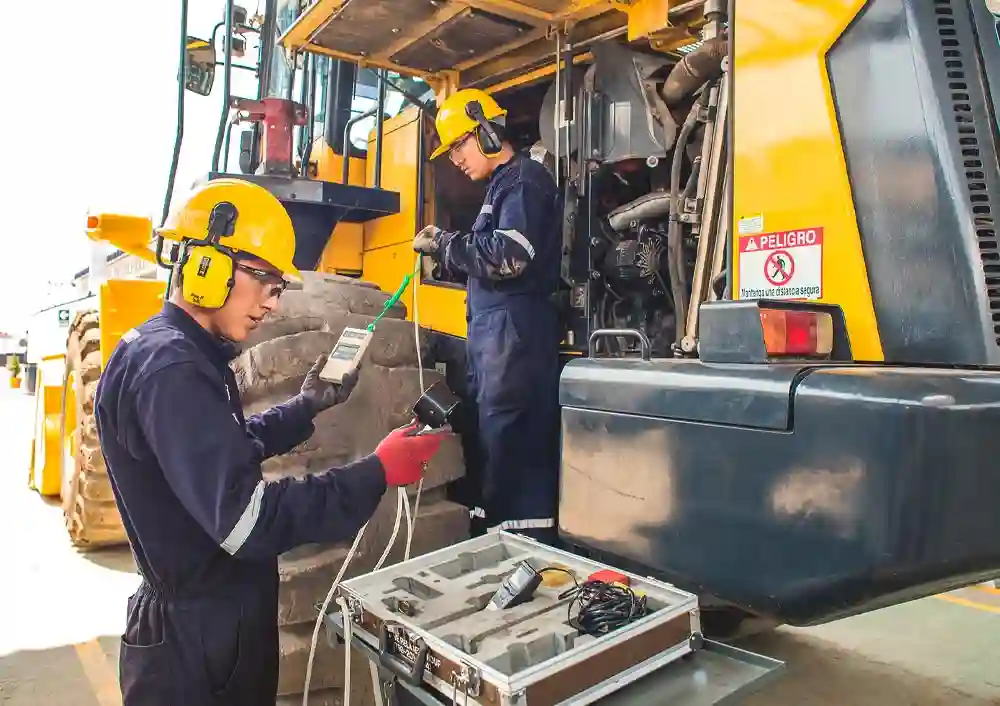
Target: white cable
x,y
373,668
348,633
418,273
402,505
401,500
410,522
420,373
322,612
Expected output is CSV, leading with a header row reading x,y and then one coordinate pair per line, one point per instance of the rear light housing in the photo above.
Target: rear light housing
x,y
797,334
770,331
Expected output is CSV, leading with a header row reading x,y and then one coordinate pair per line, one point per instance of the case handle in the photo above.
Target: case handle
x,y
414,675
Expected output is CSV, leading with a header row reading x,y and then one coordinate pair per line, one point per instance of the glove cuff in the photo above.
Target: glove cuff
x,y
441,241
307,403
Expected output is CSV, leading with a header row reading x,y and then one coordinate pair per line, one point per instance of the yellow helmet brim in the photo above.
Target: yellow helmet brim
x,y
440,151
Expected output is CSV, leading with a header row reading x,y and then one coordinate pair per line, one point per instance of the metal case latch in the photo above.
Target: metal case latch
x,y
468,680
415,650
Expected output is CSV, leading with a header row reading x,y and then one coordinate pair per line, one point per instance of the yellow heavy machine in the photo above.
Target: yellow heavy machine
x,y
781,275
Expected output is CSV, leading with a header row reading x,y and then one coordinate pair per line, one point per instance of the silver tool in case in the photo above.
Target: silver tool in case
x,y
429,621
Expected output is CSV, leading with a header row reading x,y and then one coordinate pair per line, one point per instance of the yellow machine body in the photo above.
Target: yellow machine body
x,y
343,253
388,242
122,304
47,444
789,165
789,168
130,234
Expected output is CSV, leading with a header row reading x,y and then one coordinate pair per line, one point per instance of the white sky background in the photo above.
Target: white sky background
x,y
87,122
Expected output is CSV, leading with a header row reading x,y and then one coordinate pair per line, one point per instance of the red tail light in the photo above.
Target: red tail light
x,y
798,334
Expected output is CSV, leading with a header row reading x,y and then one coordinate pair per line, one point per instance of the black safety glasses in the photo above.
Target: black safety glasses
x,y
459,144
265,277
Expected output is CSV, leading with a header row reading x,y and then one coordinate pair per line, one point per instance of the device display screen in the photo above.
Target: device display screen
x,y
345,351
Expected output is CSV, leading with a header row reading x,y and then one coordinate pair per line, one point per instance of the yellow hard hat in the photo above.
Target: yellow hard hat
x,y
453,121
262,226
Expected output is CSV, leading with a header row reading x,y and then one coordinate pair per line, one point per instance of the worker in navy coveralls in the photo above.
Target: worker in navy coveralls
x,y
185,465
512,259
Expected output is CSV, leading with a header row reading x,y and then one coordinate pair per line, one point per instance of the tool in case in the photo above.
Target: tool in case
x,y
502,620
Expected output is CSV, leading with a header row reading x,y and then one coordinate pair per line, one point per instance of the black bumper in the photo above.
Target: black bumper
x,y
796,492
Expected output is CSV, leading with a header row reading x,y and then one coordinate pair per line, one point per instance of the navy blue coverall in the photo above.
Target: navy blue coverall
x,y
512,259
204,527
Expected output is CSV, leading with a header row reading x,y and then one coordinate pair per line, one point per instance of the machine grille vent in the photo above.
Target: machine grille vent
x,y
972,155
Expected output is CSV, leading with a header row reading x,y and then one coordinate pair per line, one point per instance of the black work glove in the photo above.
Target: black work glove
x,y
320,394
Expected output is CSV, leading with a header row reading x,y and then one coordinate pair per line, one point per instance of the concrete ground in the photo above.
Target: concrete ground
x,y
62,613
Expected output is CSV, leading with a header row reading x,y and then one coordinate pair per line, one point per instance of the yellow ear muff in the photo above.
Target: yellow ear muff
x,y
206,276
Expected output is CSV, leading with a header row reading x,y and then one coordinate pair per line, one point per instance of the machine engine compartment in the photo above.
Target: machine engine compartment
x,y
636,191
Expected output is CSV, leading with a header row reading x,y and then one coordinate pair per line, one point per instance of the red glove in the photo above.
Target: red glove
x,y
404,456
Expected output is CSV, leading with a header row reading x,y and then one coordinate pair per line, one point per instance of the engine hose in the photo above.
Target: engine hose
x,y
700,66
675,260
692,181
651,205
675,236
402,507
677,160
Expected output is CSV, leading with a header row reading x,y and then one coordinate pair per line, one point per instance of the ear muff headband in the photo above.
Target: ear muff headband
x,y
207,271
486,136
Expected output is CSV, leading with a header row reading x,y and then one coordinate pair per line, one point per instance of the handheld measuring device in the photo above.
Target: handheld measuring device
x,y
350,347
346,354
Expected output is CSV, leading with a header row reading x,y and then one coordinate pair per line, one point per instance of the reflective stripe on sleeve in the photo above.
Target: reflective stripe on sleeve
x,y
519,238
244,526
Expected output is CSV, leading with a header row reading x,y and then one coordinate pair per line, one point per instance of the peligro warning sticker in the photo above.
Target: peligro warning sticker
x,y
783,265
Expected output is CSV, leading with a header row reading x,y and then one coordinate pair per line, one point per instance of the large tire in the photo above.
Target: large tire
x,y
89,509
270,369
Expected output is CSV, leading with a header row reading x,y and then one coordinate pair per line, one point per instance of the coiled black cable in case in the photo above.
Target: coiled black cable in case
x,y
603,606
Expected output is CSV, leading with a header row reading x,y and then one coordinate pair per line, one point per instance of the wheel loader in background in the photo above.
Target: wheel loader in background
x,y
781,276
